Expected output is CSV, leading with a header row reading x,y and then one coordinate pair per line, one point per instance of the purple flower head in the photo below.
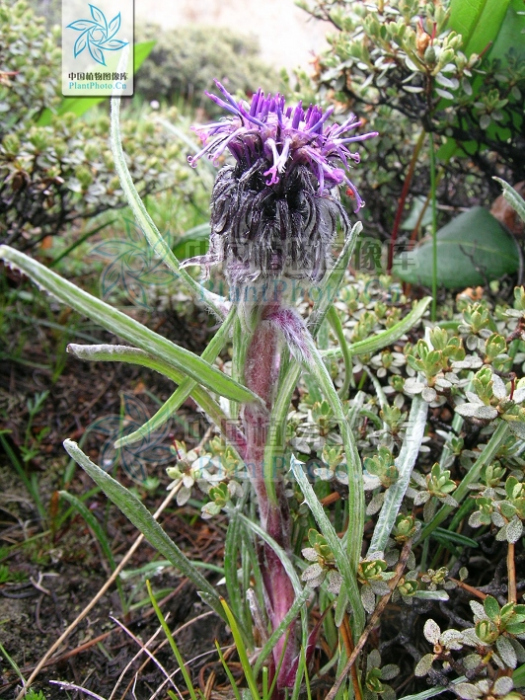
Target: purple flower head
x,y
285,137
274,212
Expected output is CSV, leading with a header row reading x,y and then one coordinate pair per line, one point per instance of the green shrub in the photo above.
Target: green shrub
x,y
51,175
185,61
406,68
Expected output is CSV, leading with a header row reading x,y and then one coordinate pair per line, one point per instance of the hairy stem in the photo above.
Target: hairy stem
x,y
261,375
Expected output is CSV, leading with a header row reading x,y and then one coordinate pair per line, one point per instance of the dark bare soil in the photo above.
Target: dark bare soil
x,y
51,569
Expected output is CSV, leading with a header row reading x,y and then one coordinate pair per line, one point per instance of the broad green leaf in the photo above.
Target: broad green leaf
x,y
140,516
193,242
472,248
80,105
118,323
394,495
478,22
506,34
491,607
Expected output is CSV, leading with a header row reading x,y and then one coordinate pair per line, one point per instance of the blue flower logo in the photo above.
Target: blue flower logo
x,y
97,35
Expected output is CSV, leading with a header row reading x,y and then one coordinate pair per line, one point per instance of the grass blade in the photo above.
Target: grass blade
x,y
99,533
472,476
172,643
405,463
241,650
31,487
138,514
118,323
228,672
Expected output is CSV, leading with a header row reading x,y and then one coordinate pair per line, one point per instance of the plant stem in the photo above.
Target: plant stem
x,y
433,312
402,200
261,375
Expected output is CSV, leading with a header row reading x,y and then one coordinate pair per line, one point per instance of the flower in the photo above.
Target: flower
x,y
273,212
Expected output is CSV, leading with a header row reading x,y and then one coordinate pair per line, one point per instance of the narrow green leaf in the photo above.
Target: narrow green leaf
x,y
387,337
515,200
118,323
332,282
241,341
123,353
232,548
286,563
519,677
146,224
99,533
437,690
281,629
241,650
337,327
93,524
442,535
335,544
356,499
140,516
405,463
472,476
135,356
172,643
